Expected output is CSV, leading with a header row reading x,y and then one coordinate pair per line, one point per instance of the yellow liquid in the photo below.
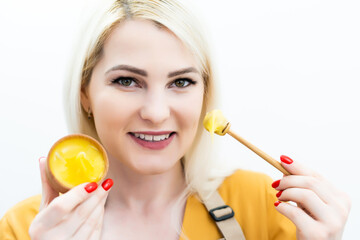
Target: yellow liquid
x,y
75,161
215,122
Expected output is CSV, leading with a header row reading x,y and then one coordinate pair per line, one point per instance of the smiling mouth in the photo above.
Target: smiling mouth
x,y
152,138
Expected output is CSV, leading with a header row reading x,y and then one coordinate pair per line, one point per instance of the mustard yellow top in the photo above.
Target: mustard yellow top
x,y
248,193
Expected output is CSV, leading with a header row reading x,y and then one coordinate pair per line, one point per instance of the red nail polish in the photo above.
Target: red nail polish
x,y
107,184
275,184
279,194
286,159
277,203
90,187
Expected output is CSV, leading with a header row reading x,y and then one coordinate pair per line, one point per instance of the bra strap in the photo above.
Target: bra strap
x,y
223,216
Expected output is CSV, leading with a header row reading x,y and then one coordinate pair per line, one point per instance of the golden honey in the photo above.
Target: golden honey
x,y
215,122
76,159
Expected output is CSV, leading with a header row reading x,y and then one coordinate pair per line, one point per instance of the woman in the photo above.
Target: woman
x,y
141,82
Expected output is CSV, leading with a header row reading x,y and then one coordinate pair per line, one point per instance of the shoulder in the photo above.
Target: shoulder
x,y
29,206
244,183
246,177
247,189
16,221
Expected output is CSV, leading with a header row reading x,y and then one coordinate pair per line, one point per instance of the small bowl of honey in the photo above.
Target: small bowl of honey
x,y
76,159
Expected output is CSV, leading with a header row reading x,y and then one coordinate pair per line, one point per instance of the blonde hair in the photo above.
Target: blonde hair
x,y
197,162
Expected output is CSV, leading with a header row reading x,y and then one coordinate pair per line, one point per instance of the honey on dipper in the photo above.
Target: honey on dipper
x,y
215,122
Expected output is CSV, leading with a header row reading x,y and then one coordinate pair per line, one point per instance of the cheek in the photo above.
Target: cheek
x,y
189,111
111,110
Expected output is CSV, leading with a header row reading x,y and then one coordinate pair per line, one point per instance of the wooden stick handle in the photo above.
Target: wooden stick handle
x,y
262,154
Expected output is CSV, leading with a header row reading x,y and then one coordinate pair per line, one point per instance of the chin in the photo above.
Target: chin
x,y
155,166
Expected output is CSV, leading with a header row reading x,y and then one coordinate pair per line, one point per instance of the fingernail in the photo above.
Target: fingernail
x,y
279,194
107,184
275,184
40,158
90,187
286,159
277,203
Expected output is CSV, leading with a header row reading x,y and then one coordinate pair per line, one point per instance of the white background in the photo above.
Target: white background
x,y
289,74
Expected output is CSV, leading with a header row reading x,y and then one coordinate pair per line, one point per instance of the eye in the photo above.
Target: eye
x,y
124,81
183,82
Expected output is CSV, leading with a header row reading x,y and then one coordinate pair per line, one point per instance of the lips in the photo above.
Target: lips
x,y
153,140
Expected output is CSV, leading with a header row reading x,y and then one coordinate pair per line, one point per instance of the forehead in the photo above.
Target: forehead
x,y
144,44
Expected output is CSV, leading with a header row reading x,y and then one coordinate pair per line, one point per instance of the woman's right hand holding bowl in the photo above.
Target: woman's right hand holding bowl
x,y
76,214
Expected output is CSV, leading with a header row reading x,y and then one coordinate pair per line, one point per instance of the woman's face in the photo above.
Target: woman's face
x,y
146,96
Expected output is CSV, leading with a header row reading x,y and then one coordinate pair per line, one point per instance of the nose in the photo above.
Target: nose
x,y
155,109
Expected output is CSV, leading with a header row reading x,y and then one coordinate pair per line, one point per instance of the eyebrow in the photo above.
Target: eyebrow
x,y
182,71
128,68
144,73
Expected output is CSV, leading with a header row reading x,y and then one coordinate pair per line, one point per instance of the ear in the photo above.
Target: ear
x,y
84,98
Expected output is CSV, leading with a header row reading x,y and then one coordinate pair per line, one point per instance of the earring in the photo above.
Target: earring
x,y
89,113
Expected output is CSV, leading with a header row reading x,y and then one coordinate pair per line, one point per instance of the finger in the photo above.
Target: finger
x,y
107,184
320,187
326,191
64,204
96,235
308,200
91,228
296,215
296,168
48,193
343,203
83,213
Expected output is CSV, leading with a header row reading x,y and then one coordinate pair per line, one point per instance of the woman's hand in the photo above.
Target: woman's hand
x,y
321,210
77,214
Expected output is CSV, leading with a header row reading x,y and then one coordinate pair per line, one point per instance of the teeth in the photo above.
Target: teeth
x,y
157,138
152,138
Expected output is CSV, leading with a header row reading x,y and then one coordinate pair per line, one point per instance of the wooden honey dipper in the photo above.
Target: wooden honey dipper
x,y
215,122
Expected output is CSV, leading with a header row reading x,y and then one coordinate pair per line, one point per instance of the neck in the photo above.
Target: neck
x,y
134,190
